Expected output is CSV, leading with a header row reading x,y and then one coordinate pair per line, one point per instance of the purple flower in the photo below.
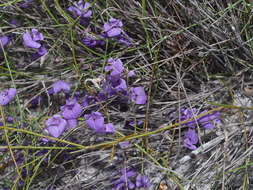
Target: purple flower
x,y
55,126
61,86
7,95
120,184
138,95
95,121
32,40
116,67
81,10
191,139
208,120
113,27
4,40
142,181
41,51
71,110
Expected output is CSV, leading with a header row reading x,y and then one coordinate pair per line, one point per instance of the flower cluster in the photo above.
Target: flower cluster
x,y
82,11
207,121
126,180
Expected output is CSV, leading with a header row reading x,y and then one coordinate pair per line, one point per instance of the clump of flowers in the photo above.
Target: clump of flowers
x,y
126,180
207,121
33,40
81,10
7,95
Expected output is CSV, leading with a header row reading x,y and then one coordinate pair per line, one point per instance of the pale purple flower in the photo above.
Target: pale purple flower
x,y
81,9
95,121
138,95
32,40
87,100
4,40
113,27
71,110
191,139
142,181
56,125
7,95
116,67
61,86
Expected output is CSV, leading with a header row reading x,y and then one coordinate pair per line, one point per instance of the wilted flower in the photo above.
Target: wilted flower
x,y
55,126
95,120
7,95
71,110
81,10
61,86
191,139
121,184
116,67
113,27
142,181
138,95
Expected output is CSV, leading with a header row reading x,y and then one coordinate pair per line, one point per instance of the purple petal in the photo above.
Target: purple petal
x,y
188,144
192,136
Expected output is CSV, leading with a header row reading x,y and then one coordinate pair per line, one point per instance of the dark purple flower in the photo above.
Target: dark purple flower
x,y
55,126
71,110
7,95
191,139
38,100
87,100
61,86
81,10
4,40
113,27
32,40
116,67
93,41
142,181
138,95
95,121
120,184
25,4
